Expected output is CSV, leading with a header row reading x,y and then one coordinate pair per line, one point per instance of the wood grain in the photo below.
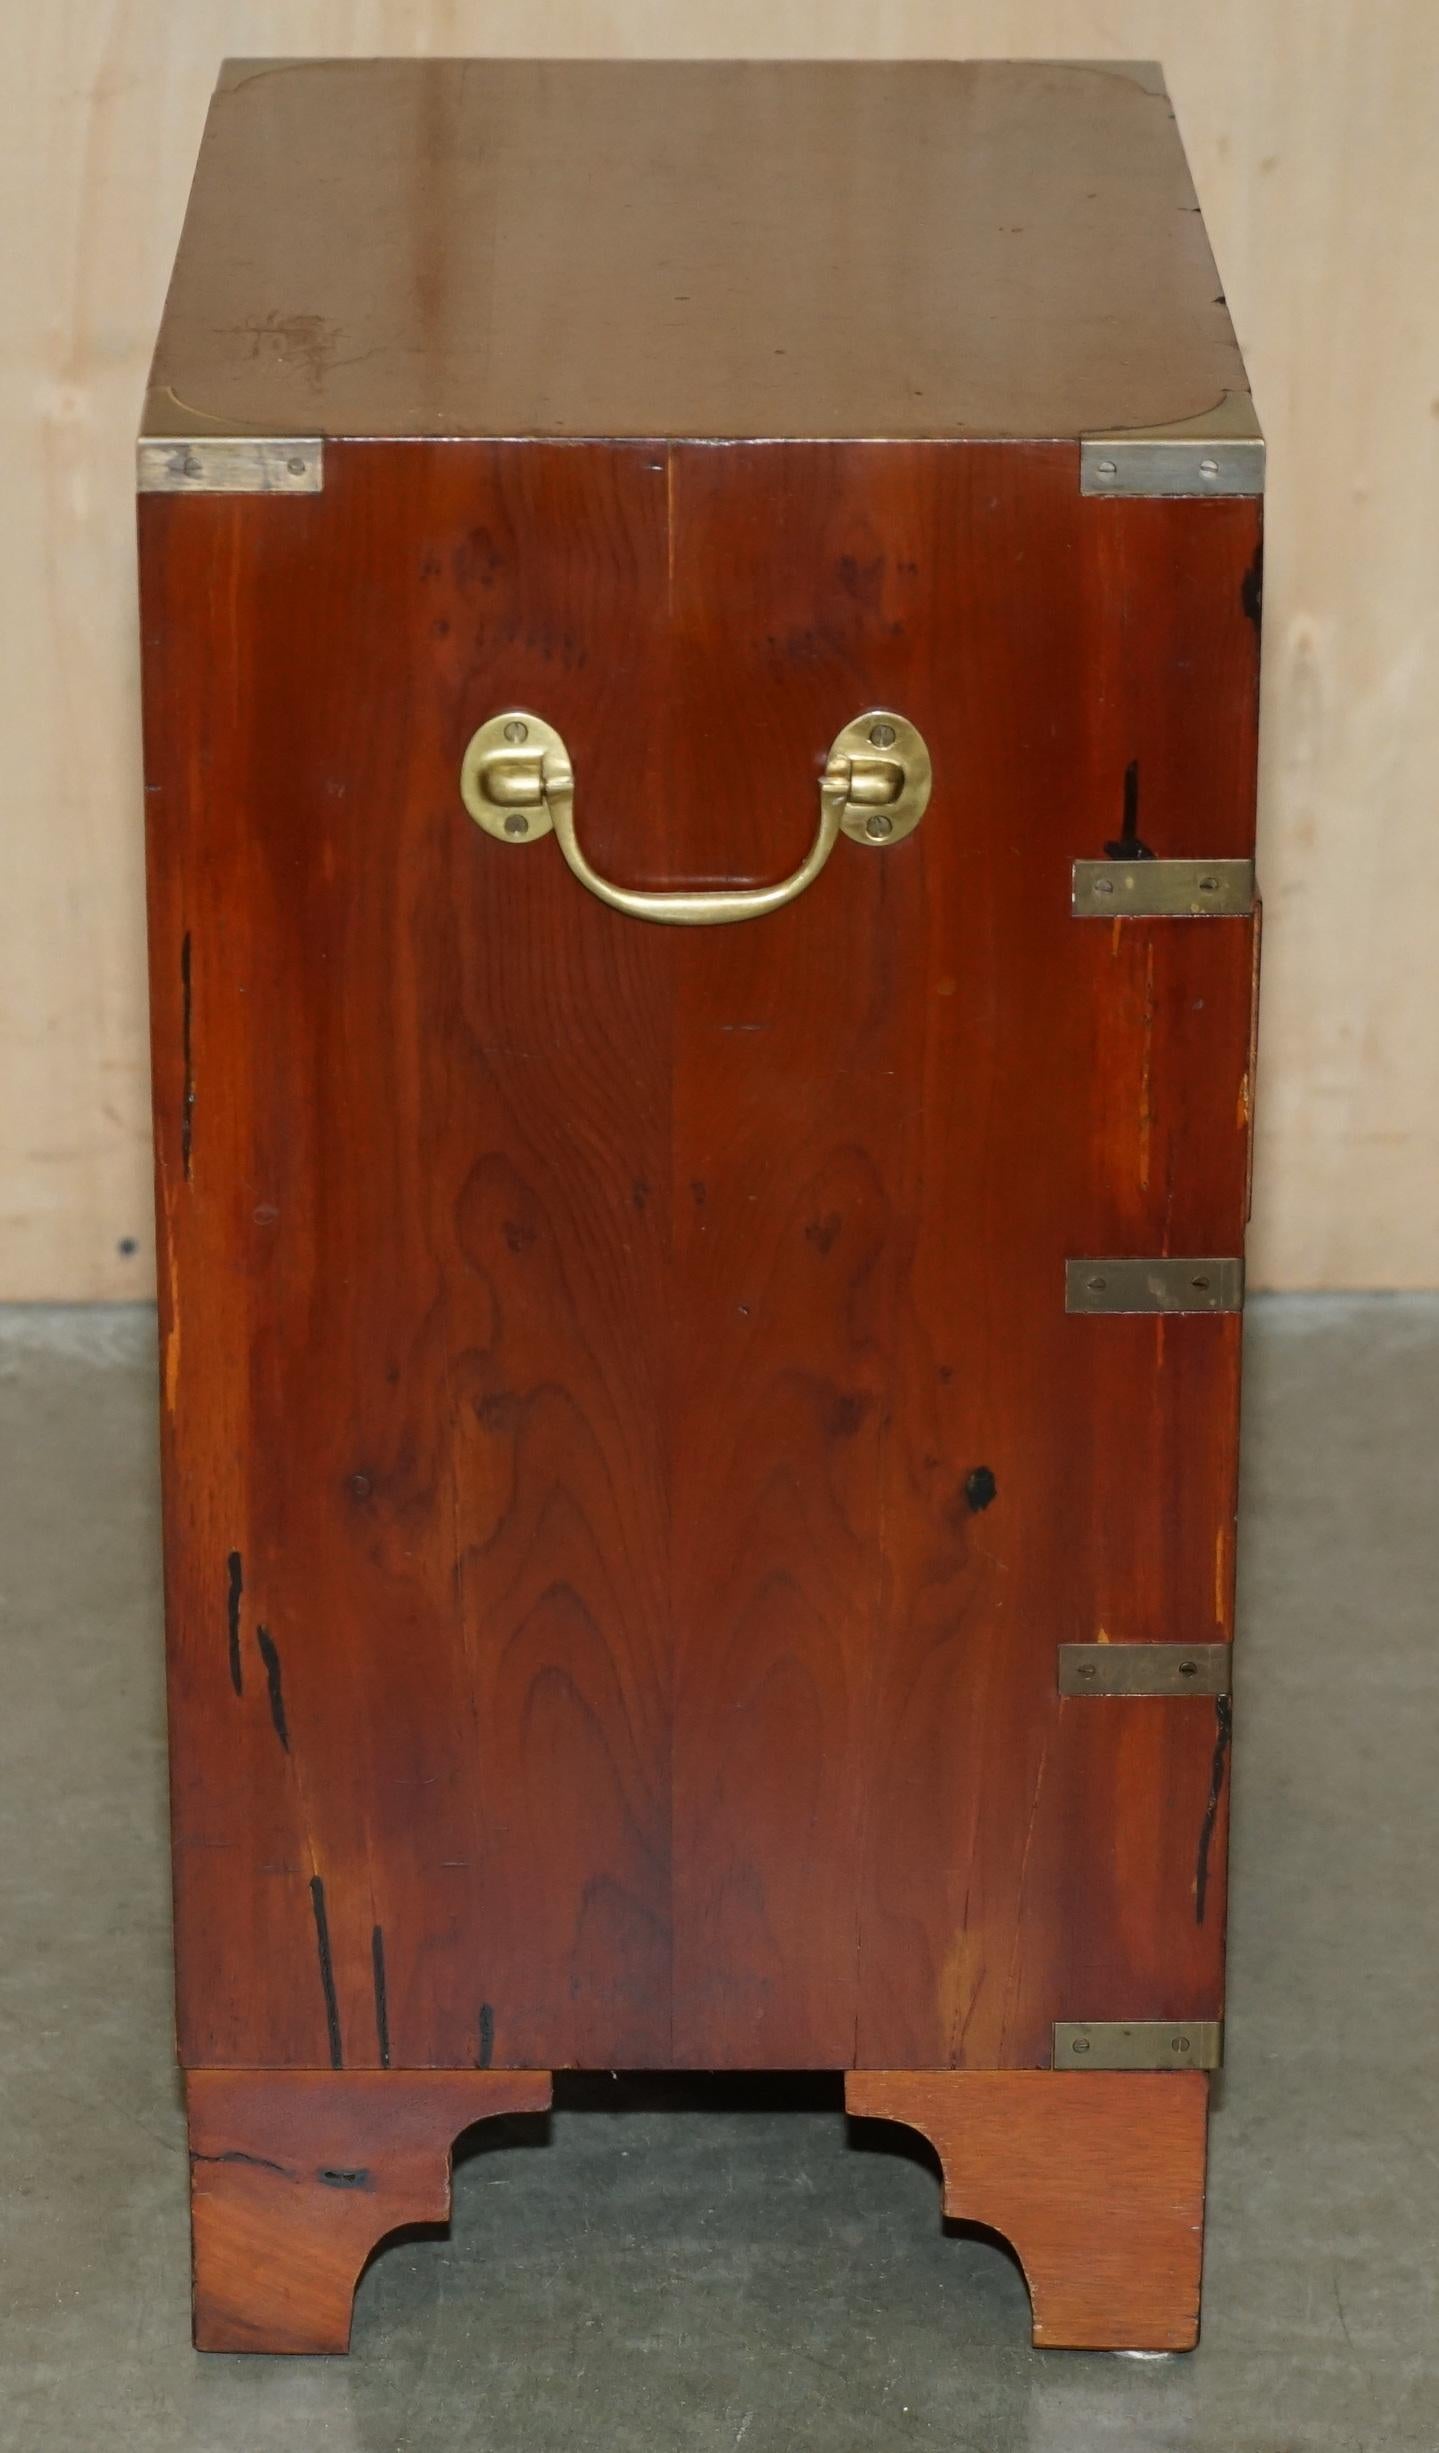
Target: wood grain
x,y
1097,2183
415,1071
628,1466
296,2177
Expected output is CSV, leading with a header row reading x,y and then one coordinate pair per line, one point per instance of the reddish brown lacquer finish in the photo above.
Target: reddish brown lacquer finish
x,y
590,1348
1097,2183
629,1470
296,2176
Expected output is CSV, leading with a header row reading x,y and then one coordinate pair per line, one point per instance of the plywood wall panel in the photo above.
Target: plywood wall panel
x,y
1309,125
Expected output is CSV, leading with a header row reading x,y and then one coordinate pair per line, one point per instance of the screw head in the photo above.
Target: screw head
x,y
878,824
516,731
517,823
1109,468
882,735
295,467
1080,2044
1104,885
1209,470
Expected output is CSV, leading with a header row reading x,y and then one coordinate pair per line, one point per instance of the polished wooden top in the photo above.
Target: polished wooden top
x,y
646,248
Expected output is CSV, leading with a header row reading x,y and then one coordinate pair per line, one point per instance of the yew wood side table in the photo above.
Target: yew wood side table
x,y
701,638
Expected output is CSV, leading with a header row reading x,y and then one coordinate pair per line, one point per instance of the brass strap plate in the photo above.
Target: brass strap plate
x,y
1217,454
1162,889
1144,1669
231,464
1138,2044
1141,467
1212,1285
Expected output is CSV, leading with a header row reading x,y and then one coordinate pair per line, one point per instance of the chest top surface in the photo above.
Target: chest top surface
x,y
711,249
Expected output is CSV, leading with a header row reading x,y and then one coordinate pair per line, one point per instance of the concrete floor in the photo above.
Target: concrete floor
x,y
682,2269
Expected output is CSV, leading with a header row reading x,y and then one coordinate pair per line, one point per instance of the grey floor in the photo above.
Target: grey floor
x,y
655,2273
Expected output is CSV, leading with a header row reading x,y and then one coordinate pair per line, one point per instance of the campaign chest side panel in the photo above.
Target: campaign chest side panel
x,y
628,1465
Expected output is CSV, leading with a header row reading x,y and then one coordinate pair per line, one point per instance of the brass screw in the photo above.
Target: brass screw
x,y
516,731
878,826
882,735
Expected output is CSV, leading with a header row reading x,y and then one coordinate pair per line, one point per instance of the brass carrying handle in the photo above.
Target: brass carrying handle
x,y
518,783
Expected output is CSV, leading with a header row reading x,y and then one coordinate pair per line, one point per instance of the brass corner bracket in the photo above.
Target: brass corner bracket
x,y
1219,454
230,464
1138,2044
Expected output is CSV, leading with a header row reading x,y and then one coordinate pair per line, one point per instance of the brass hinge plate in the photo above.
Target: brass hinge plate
x,y
1139,2044
1218,455
1144,1669
1162,889
1160,1285
231,464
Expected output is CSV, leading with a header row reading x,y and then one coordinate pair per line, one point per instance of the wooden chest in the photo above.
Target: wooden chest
x,y
701,641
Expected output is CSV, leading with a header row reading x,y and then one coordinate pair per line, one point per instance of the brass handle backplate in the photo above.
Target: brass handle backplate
x,y
517,782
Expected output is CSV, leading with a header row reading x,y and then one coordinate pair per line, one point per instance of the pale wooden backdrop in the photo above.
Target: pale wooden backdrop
x,y
1311,130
